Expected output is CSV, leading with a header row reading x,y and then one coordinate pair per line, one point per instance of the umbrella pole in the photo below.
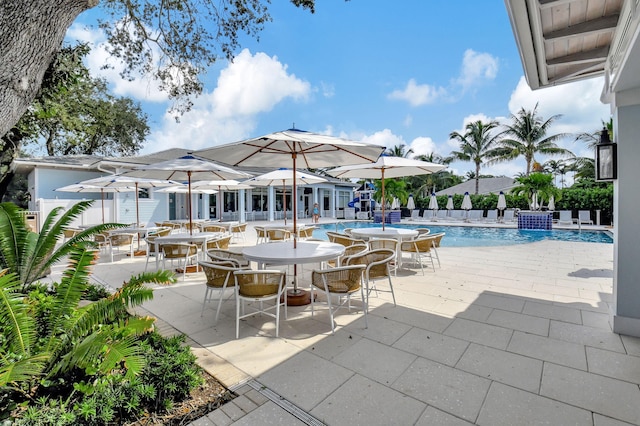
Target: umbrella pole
x,y
102,200
296,297
137,208
189,211
383,199
284,195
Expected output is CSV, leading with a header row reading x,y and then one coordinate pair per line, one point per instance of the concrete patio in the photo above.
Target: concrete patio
x,y
496,336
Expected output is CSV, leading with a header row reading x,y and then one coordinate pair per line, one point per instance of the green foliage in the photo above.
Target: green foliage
x,y
392,188
29,254
169,375
527,136
597,197
537,184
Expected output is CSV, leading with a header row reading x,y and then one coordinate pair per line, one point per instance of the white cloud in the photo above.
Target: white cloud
x,y
418,94
250,85
384,138
423,146
328,89
477,68
255,83
142,88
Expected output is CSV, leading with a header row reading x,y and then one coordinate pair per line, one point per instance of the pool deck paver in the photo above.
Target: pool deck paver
x,y
496,336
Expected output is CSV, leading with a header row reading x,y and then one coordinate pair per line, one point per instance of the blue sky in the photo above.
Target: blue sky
x,y
365,70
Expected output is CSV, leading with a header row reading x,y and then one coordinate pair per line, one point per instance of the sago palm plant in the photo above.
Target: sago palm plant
x,y
29,254
96,338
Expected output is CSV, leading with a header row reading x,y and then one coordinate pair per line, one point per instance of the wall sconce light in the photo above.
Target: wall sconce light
x,y
606,158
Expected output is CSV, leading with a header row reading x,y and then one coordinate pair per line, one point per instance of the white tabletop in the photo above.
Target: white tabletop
x,y
185,237
387,232
283,253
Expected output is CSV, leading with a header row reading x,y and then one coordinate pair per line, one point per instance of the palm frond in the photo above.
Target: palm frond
x,y
18,327
22,370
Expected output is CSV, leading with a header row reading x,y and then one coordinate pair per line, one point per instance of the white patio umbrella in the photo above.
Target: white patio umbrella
x,y
466,203
184,189
78,187
552,204
433,203
284,177
411,204
296,149
534,202
387,167
450,203
395,204
121,181
187,168
502,203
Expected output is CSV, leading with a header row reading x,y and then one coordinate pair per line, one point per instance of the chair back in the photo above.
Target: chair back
x,y
217,255
423,231
261,233
179,250
100,239
376,262
278,234
341,280
241,227
421,244
306,232
213,228
219,273
345,240
71,232
437,238
120,240
219,243
262,283
383,243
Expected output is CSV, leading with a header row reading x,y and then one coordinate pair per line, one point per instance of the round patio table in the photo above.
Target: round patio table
x,y
283,253
185,237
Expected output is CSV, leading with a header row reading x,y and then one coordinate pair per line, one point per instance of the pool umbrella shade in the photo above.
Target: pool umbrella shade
x,y
187,168
466,203
78,187
502,203
284,177
395,204
411,204
450,203
433,203
296,149
121,181
387,167
552,204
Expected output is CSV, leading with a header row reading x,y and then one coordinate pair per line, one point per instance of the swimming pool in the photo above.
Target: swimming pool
x,y
472,236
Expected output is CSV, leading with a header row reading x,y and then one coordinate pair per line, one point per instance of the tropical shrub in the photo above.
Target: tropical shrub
x,y
29,254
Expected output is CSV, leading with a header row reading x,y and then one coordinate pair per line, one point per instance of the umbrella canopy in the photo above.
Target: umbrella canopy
x,y
395,204
284,177
552,204
78,187
184,189
466,202
296,149
187,168
534,202
450,203
502,201
433,202
121,181
387,167
411,204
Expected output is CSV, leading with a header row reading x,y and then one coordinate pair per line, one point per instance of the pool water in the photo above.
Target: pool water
x,y
471,236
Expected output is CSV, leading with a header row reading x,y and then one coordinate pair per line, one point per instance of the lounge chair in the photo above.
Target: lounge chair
x,y
509,216
458,215
584,217
441,215
492,216
415,214
565,217
475,215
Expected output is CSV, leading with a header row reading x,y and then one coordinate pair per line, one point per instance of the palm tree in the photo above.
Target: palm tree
x,y
476,145
536,184
399,151
424,184
527,136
